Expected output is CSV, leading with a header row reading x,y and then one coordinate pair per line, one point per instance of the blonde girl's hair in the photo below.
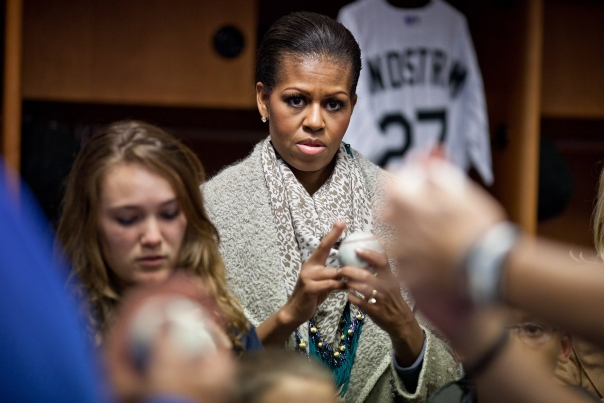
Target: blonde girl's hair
x,y
141,143
598,219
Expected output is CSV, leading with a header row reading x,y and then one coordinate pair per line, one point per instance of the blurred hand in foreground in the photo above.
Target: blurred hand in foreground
x,y
438,214
167,341
441,218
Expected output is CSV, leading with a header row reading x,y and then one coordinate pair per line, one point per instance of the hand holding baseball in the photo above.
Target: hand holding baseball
x,y
384,303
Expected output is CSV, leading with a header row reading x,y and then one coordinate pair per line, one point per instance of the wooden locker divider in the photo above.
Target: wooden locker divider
x,y
512,77
11,102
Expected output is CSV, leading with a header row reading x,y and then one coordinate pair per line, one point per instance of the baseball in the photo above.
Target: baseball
x,y
188,327
347,254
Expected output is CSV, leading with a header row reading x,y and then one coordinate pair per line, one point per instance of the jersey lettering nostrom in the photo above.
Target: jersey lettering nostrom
x,y
420,85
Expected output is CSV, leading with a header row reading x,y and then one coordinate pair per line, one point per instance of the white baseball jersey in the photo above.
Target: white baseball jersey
x,y
420,84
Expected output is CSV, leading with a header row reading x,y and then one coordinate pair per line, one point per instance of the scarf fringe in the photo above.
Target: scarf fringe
x,y
340,370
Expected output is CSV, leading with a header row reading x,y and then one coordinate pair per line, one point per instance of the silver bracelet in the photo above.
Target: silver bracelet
x,y
484,263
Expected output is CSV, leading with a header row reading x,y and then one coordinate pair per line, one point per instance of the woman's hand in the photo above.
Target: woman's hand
x,y
314,284
385,305
315,281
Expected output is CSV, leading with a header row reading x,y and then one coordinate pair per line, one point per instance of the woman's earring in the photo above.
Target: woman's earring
x,y
263,119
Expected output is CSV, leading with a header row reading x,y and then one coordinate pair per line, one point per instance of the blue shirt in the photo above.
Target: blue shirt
x,y
44,353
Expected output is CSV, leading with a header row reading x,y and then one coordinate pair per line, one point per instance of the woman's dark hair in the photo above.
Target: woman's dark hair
x,y
303,34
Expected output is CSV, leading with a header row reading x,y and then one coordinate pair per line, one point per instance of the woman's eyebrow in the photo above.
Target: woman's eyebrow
x,y
135,206
296,89
173,200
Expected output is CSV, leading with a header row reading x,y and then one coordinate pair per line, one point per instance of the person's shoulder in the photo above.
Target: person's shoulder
x,y
368,167
376,179
237,167
251,342
236,175
236,189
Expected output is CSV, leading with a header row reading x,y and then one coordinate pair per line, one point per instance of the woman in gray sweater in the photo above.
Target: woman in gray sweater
x,y
282,211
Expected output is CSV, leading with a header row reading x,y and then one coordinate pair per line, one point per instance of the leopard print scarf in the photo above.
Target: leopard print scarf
x,y
303,220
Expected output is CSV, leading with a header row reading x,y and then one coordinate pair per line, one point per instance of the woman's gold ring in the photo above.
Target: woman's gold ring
x,y
372,300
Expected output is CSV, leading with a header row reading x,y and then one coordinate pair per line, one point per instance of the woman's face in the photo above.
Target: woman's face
x,y
540,341
308,111
141,224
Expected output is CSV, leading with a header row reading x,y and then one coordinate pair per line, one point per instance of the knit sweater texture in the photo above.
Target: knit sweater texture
x,y
237,200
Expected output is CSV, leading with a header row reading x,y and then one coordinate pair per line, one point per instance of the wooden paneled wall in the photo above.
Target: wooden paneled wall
x,y
573,59
146,52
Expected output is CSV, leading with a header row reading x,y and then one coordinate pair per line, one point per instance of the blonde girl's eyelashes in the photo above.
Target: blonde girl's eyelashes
x,y
126,220
170,214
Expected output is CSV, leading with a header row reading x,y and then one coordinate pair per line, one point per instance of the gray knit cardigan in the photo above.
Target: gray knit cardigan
x,y
237,200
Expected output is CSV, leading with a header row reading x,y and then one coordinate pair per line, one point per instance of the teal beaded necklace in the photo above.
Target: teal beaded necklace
x,y
339,360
